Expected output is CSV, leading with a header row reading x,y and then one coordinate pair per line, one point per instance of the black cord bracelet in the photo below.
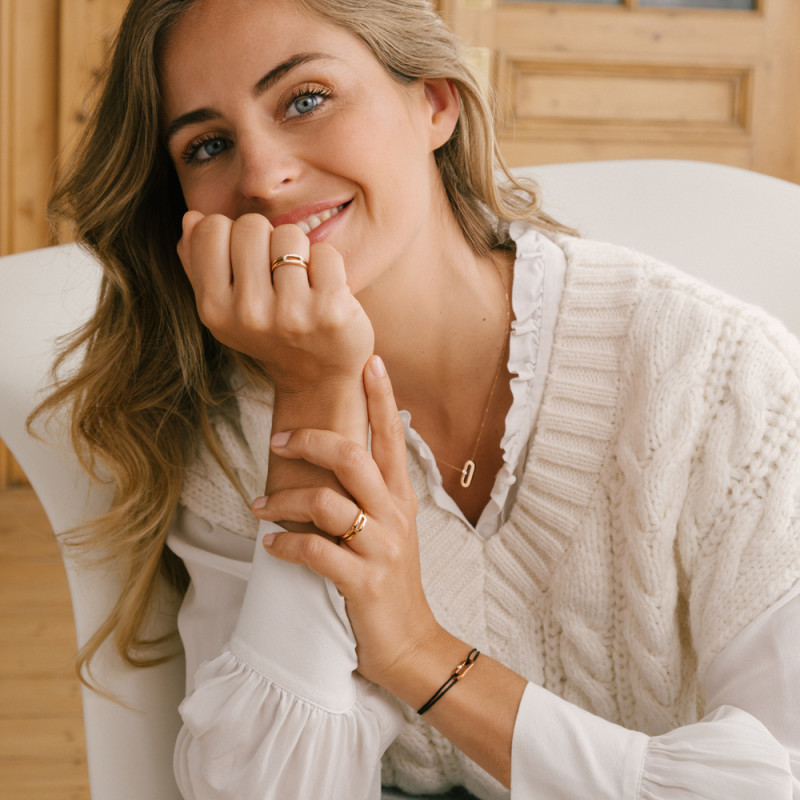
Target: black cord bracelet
x,y
455,676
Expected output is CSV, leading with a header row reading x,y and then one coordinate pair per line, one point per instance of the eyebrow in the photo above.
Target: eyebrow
x,y
262,85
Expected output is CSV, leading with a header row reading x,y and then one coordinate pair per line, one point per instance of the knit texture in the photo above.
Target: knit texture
x,y
657,515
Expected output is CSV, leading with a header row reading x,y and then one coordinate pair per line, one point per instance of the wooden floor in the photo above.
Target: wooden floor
x,y
42,754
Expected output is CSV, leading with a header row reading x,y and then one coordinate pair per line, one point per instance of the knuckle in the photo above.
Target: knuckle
x,y
393,550
250,315
322,503
288,230
398,518
396,430
288,238
333,319
213,224
208,311
371,584
291,319
311,548
412,503
351,455
252,222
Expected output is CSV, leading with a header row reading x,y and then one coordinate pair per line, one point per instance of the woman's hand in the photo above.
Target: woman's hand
x,y
399,644
377,570
304,326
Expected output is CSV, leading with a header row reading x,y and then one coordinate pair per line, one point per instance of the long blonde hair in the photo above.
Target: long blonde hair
x,y
151,375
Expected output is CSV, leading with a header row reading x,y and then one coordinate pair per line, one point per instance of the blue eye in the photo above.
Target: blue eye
x,y
205,149
303,105
210,148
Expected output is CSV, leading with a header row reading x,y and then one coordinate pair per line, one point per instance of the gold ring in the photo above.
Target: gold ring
x,y
357,526
289,260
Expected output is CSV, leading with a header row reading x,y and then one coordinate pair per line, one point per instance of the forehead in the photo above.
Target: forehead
x,y
216,46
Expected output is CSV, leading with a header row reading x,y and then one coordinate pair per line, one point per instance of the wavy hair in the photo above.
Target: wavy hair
x,y
150,374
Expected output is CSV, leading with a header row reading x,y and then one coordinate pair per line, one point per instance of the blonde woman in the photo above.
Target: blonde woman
x,y
567,568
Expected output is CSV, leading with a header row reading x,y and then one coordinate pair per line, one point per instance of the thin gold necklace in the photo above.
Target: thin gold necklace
x,y
468,470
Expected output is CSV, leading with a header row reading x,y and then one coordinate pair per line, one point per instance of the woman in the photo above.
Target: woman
x,y
586,509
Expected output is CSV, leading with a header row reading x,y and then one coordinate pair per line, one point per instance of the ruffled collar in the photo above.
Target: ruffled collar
x,y
535,256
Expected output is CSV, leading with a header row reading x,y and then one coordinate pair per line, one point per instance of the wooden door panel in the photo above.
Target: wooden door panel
x,y
578,81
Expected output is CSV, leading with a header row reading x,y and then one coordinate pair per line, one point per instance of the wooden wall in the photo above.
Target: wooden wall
x,y
49,53
553,62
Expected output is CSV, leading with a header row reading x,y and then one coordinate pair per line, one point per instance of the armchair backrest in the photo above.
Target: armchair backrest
x,y
46,294
737,230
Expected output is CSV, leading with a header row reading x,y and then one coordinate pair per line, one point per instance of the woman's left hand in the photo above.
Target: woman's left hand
x,y
377,570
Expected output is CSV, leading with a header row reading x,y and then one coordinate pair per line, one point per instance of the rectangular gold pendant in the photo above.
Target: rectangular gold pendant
x,y
467,473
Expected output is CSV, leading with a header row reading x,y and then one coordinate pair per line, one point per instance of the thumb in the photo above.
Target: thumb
x,y
388,434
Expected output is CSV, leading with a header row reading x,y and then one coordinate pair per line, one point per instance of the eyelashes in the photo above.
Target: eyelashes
x,y
193,152
306,100
302,102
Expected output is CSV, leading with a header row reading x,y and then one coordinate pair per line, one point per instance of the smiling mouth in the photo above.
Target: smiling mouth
x,y
315,220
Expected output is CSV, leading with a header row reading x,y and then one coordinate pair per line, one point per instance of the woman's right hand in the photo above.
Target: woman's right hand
x,y
304,326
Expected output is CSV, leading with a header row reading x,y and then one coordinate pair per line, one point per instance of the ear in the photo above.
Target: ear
x,y
442,99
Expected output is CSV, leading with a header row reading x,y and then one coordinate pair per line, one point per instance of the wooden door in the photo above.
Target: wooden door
x,y
606,79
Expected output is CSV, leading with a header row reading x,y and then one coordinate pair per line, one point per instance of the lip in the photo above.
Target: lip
x,y
305,211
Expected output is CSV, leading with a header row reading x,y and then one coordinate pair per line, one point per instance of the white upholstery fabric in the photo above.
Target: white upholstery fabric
x,y
709,220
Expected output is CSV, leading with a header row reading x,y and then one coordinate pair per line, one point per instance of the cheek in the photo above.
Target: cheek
x,y
209,197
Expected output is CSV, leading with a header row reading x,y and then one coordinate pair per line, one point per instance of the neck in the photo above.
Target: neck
x,y
440,318
442,329
440,321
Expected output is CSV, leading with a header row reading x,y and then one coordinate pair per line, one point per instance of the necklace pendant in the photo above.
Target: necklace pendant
x,y
467,473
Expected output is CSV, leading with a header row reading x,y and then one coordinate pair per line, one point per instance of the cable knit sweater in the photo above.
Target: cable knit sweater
x,y
657,515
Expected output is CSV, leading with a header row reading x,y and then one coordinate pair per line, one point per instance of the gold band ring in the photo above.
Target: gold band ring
x,y
289,260
358,525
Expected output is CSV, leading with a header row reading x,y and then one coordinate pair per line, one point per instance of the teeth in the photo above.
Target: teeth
x,y
315,220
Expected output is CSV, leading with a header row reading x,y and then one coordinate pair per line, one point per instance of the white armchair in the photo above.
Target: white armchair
x,y
736,229
47,293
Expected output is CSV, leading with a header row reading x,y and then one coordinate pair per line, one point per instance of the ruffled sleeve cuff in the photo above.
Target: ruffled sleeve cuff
x,y
281,712
729,754
560,750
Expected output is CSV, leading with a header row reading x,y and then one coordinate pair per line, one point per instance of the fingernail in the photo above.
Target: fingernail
x,y
268,539
280,439
377,366
259,503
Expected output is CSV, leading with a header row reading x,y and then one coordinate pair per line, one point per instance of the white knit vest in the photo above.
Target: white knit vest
x,y
656,517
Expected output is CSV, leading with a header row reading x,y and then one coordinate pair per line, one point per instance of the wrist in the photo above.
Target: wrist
x,y
338,405
477,714
424,668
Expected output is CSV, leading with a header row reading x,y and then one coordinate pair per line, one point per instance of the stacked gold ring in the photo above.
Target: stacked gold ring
x,y
289,260
357,526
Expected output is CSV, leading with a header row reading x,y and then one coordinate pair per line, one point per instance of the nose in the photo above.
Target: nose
x,y
269,166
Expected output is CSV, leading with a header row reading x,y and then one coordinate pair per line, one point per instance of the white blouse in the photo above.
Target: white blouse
x,y
274,705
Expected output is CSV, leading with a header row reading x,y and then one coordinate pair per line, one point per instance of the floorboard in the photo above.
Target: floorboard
x,y
42,752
